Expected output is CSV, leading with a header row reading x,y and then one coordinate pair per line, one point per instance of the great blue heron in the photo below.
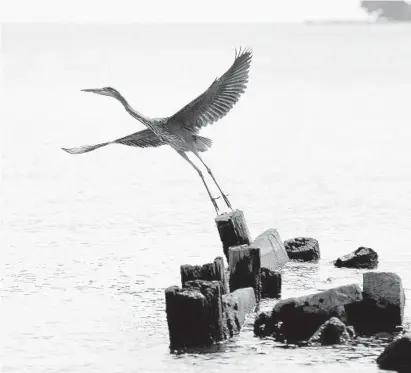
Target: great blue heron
x,y
181,131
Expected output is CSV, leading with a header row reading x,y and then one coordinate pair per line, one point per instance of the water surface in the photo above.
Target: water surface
x,y
318,146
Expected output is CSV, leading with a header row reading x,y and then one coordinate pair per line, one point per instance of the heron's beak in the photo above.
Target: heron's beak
x,y
98,91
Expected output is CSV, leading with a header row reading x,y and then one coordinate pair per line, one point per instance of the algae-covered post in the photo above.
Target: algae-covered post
x,y
270,283
233,230
194,314
209,272
244,263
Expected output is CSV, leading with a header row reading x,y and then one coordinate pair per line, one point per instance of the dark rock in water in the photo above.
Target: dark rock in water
x,y
363,257
270,283
303,249
302,316
397,355
333,331
263,325
382,307
236,306
272,251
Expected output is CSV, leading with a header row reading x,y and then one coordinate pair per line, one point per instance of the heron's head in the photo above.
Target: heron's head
x,y
106,91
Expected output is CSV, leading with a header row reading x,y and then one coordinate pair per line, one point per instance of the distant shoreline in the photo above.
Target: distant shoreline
x,y
353,22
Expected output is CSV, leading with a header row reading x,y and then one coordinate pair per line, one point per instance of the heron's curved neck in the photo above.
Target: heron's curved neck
x,y
134,113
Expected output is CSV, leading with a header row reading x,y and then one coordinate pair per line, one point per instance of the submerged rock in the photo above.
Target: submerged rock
x,y
302,316
397,355
363,257
303,249
270,283
333,331
382,307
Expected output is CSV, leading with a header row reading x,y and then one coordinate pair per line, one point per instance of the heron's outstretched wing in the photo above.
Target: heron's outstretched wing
x,y
142,139
219,98
84,148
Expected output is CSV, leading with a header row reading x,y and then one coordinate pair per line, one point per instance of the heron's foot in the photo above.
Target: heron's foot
x,y
226,201
215,205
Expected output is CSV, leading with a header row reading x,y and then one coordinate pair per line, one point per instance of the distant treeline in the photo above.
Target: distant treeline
x,y
390,10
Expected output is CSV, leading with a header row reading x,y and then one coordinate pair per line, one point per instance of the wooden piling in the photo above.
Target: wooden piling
x,y
233,230
244,264
194,314
270,283
208,272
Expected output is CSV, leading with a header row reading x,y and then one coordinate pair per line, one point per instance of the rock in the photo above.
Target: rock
x,y
263,325
302,316
270,283
244,264
194,314
272,250
382,307
363,257
233,230
208,272
303,249
385,289
397,355
333,331
236,306
351,331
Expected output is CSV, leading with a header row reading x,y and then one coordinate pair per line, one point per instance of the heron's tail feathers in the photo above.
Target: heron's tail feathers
x,y
202,143
85,148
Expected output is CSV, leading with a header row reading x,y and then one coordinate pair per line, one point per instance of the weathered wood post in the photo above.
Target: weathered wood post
x,y
208,272
270,283
233,230
194,314
244,263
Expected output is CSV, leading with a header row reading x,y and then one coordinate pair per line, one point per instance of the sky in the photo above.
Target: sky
x,y
134,11
122,11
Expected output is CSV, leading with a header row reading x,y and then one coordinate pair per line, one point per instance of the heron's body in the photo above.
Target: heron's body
x,y
181,131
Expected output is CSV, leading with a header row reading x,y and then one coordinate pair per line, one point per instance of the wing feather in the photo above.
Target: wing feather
x,y
142,139
219,98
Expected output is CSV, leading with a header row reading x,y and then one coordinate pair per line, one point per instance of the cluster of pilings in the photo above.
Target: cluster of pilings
x,y
213,302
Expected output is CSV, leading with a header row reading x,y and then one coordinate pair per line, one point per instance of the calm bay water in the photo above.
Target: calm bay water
x,y
317,146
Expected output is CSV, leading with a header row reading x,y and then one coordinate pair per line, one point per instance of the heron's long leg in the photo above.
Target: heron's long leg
x,y
212,176
184,155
